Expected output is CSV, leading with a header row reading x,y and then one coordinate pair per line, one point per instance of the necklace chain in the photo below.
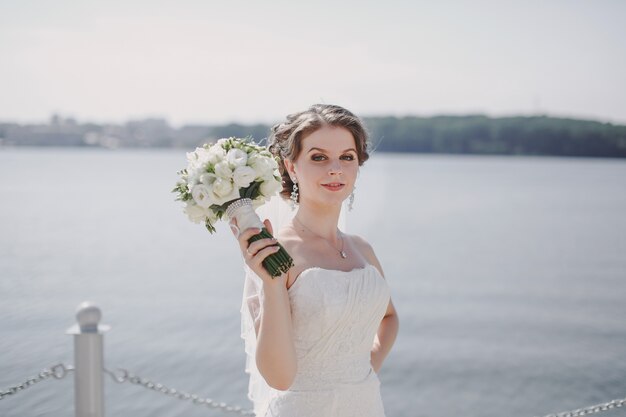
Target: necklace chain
x,y
341,252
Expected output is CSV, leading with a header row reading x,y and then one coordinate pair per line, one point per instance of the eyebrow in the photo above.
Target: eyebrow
x,y
324,150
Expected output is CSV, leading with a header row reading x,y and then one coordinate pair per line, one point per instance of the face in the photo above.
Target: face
x,y
327,166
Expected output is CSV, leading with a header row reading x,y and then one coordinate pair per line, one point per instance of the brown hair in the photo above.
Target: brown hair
x,y
285,140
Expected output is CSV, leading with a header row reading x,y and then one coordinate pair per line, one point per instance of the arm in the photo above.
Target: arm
x,y
275,354
389,325
275,351
385,337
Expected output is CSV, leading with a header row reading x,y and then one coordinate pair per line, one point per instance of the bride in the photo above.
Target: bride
x,y
316,336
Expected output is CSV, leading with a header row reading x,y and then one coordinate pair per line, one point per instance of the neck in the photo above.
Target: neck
x,y
321,221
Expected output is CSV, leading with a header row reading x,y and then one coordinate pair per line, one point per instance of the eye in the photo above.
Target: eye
x,y
348,157
317,157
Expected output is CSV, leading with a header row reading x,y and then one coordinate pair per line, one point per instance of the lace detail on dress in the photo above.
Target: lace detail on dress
x,y
335,318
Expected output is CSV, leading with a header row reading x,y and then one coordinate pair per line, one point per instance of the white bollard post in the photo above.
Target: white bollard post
x,y
88,361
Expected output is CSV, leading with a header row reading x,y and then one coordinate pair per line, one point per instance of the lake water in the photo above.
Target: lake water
x,y
508,274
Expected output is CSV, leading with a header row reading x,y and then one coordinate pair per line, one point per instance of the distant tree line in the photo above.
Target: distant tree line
x,y
472,134
538,135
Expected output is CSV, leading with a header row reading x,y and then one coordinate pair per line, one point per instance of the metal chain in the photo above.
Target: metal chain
x,y
58,371
593,409
181,395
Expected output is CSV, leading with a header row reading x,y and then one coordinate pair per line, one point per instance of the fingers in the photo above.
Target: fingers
x,y
258,257
255,252
256,246
268,226
247,234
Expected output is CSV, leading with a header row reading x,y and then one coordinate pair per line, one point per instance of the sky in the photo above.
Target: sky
x,y
206,61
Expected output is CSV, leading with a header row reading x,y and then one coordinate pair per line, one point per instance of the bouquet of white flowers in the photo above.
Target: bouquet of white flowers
x,y
233,177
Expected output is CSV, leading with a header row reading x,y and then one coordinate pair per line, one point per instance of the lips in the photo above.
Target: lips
x,y
334,186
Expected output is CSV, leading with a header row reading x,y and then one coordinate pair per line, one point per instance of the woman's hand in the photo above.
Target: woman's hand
x,y
254,253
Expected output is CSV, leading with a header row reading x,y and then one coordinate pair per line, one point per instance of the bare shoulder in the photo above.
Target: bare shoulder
x,y
366,250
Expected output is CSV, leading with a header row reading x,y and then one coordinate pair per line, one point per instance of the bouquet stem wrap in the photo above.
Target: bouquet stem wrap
x,y
242,210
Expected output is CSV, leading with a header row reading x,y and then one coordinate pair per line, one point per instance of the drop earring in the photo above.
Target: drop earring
x,y
294,194
351,200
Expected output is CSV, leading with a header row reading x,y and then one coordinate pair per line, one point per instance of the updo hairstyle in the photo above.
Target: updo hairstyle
x,y
285,140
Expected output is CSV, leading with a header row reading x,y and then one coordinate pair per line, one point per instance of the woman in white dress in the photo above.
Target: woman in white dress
x,y
316,336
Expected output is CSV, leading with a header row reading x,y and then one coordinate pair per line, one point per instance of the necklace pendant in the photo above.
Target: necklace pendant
x,y
343,254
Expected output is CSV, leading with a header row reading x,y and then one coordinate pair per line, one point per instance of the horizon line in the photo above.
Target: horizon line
x,y
130,119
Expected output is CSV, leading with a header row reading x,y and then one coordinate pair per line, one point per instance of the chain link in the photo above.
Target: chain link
x,y
58,371
593,409
172,392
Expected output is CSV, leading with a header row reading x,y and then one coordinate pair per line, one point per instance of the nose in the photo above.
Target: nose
x,y
335,168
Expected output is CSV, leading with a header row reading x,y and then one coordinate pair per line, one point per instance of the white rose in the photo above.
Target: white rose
x,y
215,154
222,187
263,166
198,164
270,186
191,157
197,172
207,178
243,176
194,156
195,213
199,157
192,178
223,170
224,191
237,157
201,152
193,162
202,195
253,159
268,159
273,163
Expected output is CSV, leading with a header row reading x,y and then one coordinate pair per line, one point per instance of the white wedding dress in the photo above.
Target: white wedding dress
x,y
335,316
